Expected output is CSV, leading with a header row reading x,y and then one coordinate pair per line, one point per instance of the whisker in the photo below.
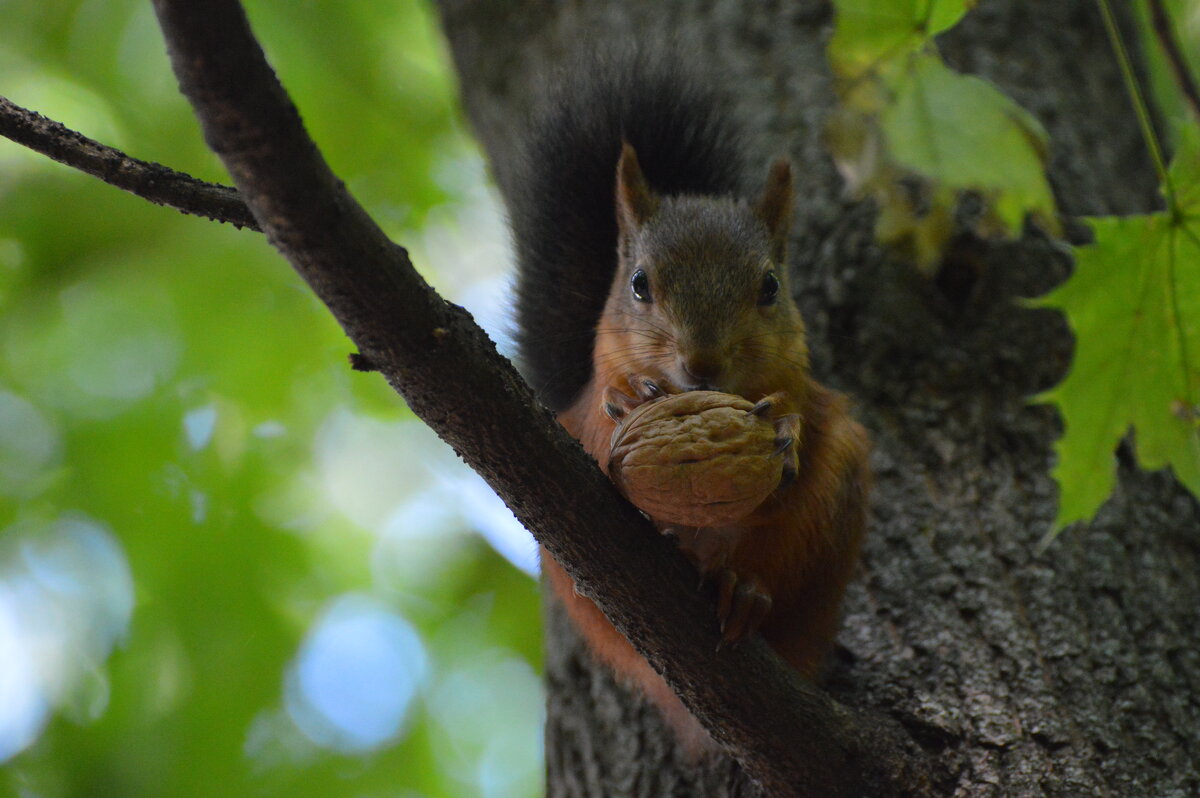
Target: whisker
x,y
645,322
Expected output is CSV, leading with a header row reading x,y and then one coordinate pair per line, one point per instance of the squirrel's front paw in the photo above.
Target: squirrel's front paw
x,y
787,435
617,404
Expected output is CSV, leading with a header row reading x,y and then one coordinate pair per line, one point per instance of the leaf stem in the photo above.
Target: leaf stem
x,y
1139,105
1170,47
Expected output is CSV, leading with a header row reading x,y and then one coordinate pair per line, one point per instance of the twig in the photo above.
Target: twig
x,y
1139,103
1170,47
151,181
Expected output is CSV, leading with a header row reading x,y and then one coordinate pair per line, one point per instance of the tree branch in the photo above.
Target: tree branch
x,y
450,374
150,181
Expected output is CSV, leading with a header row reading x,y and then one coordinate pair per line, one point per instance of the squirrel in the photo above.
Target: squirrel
x,y
641,273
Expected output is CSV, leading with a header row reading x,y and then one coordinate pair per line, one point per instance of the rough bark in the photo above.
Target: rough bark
x,y
1076,672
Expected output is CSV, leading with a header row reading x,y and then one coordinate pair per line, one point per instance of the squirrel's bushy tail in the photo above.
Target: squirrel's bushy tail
x,y
562,209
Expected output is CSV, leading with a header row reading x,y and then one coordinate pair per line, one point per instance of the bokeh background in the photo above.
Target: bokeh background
x,y
229,565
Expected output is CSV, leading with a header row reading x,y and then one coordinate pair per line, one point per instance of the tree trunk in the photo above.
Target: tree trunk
x,y
1076,672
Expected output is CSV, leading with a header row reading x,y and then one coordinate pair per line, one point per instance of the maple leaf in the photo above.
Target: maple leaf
x,y
1133,304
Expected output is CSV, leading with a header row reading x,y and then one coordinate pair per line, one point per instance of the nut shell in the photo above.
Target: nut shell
x,y
696,459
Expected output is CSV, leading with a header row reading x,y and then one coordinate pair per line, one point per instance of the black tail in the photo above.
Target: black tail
x,y
563,211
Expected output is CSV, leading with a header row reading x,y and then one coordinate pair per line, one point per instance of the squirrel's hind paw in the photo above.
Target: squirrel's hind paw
x,y
742,606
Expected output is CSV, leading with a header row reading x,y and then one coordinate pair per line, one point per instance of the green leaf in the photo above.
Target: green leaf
x,y
1134,306
870,31
963,132
1184,171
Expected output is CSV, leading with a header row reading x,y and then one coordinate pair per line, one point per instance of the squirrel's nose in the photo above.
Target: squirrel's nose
x,y
703,369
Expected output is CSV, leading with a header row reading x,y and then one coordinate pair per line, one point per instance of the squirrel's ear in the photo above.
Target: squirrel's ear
x,y
775,206
635,201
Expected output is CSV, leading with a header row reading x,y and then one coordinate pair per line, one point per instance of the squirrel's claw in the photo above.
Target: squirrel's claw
x,y
762,408
617,404
648,388
742,606
767,403
788,432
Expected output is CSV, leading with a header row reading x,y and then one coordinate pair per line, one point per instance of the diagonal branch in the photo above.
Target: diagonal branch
x,y
151,181
450,374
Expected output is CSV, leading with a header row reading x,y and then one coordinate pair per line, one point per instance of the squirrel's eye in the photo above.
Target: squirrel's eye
x,y
640,285
769,289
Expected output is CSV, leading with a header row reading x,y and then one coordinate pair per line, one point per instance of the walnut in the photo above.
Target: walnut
x,y
700,458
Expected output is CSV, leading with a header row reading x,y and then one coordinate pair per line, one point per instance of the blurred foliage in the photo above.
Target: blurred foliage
x,y
183,447
915,135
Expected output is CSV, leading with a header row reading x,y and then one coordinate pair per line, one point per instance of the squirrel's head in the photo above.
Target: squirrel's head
x,y
700,296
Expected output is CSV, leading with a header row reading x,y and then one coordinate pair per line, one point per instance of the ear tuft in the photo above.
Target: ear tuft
x,y
774,208
636,203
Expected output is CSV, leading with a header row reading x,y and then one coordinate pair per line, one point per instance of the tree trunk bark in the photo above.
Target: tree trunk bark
x,y
1076,672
